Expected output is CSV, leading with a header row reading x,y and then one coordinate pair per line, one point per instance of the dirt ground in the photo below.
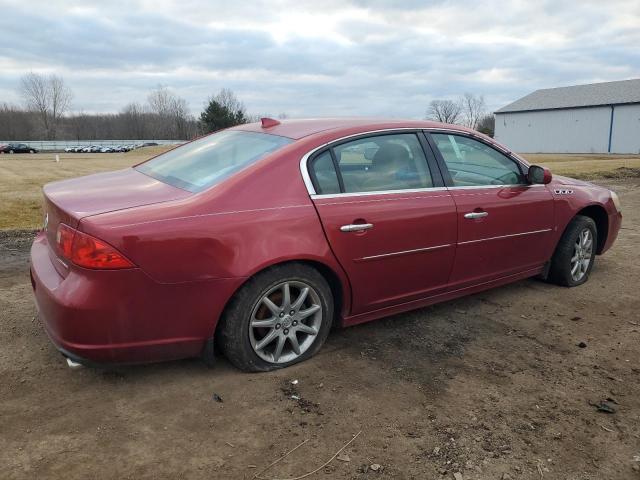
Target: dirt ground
x,y
492,386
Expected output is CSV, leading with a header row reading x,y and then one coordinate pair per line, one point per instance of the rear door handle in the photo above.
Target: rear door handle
x,y
356,227
476,214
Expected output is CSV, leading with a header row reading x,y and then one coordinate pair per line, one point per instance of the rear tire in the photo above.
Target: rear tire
x,y
575,253
265,328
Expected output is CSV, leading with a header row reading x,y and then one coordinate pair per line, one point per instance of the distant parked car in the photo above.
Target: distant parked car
x,y
149,144
106,150
17,148
71,149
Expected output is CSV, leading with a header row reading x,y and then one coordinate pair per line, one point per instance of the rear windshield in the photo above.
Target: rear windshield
x,y
208,161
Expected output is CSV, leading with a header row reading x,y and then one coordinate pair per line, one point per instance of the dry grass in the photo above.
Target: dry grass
x,y
588,167
22,176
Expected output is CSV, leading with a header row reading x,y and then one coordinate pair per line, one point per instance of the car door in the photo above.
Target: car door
x,y
504,223
387,217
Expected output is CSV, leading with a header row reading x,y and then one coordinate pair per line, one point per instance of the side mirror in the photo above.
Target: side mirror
x,y
539,175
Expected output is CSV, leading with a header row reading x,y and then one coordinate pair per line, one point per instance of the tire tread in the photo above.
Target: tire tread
x,y
560,270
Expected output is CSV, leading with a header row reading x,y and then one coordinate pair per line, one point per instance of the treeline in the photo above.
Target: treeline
x,y
133,123
469,110
165,116
44,115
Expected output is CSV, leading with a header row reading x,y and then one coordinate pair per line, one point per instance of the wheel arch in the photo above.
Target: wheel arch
x,y
340,288
599,215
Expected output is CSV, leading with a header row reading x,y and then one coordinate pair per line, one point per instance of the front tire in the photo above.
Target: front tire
x,y
575,254
280,317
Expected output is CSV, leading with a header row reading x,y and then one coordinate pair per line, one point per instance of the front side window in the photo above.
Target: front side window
x,y
384,162
207,161
473,163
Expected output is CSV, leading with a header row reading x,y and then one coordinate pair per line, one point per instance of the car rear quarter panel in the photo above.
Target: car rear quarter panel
x,y
261,217
149,321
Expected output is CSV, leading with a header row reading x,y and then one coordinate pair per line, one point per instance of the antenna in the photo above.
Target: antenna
x,y
269,122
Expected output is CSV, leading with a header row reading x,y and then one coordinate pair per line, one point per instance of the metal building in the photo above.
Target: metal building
x,y
594,118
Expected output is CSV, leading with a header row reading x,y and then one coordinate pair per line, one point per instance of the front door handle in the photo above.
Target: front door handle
x,y
356,227
476,214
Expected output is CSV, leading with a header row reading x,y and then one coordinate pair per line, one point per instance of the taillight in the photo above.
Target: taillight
x,y
64,238
87,251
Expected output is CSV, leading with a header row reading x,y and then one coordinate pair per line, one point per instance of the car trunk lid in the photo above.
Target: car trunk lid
x,y
68,201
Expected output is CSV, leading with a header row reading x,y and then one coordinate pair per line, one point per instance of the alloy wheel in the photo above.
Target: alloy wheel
x,y
285,322
582,255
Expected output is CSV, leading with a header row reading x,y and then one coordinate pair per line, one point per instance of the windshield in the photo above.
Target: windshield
x,y
209,160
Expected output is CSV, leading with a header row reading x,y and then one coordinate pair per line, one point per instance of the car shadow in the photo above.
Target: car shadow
x,y
427,346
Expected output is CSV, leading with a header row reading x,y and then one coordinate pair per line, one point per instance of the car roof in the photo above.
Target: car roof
x,y
299,128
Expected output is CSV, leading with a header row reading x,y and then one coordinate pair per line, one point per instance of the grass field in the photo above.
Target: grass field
x,y
588,167
22,176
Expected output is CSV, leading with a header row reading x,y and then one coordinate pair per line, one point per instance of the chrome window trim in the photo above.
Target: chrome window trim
x,y
303,161
415,190
377,192
504,151
312,191
472,187
505,236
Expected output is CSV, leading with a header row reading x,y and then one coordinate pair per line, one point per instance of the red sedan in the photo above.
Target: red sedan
x,y
263,236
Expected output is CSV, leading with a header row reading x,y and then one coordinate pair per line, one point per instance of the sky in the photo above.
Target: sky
x,y
317,58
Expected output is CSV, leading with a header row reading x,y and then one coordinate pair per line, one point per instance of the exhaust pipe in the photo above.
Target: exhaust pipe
x,y
73,364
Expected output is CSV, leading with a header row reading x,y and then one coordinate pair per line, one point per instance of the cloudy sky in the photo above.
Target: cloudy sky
x,y
317,58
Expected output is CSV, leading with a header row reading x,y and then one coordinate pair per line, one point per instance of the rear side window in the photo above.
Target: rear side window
x,y
324,174
473,163
207,161
383,163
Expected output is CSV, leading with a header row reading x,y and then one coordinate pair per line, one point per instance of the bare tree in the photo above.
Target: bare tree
x,y
134,121
180,116
446,111
173,118
160,100
227,99
15,123
473,109
487,125
49,97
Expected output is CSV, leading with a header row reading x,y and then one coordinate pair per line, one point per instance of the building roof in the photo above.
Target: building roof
x,y
576,96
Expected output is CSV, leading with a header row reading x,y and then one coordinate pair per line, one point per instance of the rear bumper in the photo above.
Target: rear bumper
x,y
124,316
